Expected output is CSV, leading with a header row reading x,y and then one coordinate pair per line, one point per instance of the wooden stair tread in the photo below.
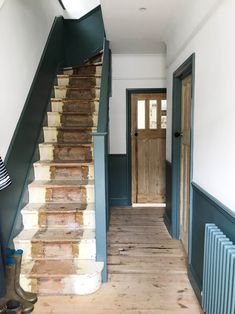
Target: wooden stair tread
x,y
65,145
73,113
63,163
83,66
72,128
78,77
66,100
62,183
74,99
56,235
58,207
76,88
58,268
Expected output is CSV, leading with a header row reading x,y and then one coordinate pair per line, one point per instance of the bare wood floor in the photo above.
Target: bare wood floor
x,y
147,272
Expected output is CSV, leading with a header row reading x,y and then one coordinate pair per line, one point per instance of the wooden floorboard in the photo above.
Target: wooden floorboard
x,y
147,271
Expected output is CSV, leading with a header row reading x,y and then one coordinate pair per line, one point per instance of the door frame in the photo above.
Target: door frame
x,y
129,93
187,68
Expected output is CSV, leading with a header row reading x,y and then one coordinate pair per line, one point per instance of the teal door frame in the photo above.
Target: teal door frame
x,y
129,93
187,68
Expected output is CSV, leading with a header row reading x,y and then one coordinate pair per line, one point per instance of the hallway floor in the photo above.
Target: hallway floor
x,y
147,271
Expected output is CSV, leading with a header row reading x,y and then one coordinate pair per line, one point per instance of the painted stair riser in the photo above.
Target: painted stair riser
x,y
50,152
74,93
55,135
77,277
82,249
39,219
68,285
61,172
76,81
56,119
84,70
79,194
58,105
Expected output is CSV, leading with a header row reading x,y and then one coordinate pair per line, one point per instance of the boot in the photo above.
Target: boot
x,y
13,307
29,296
10,270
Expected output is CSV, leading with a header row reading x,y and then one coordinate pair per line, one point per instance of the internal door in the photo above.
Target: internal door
x,y
185,159
148,127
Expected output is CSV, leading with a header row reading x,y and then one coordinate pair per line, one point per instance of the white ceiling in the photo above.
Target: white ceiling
x,y
131,30
134,31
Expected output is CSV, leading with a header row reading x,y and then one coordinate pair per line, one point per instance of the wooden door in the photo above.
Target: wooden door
x,y
185,159
148,147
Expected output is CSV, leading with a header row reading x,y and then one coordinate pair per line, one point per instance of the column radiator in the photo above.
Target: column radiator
x,y
218,290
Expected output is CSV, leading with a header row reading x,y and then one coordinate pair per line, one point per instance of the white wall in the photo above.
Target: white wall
x,y
24,28
77,8
131,71
214,111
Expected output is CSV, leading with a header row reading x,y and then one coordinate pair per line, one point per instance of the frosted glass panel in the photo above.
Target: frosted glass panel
x,y
141,114
163,113
164,104
153,114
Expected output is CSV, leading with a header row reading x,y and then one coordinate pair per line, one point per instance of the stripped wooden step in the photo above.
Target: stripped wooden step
x,y
65,152
85,70
68,134
62,171
61,191
82,82
68,105
57,119
95,59
77,93
61,277
57,243
58,215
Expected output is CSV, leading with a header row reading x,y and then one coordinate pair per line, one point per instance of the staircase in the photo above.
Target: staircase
x,y
59,222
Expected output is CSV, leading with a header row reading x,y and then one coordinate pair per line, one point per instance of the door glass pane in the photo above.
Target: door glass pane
x,y
141,114
163,113
153,114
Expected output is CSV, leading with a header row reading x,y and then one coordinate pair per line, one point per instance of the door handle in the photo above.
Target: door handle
x,y
134,133
178,134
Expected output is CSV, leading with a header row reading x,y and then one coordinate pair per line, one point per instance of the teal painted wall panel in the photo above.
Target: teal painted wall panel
x,y
206,209
168,213
118,183
83,37
25,139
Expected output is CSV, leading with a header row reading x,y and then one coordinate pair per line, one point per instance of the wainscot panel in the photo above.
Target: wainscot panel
x,y
206,209
118,188
168,214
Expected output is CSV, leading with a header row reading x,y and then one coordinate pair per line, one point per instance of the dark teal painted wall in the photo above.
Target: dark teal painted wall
x,y
83,37
24,142
168,213
206,209
118,181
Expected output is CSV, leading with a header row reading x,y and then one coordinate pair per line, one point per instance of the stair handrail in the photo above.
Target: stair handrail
x,y
103,116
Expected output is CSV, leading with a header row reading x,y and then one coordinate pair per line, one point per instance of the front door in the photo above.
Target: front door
x,y
148,133
185,159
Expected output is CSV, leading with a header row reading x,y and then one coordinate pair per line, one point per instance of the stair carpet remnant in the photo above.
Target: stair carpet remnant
x,y
59,222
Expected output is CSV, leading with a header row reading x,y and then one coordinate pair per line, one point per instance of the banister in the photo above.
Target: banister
x,y
100,140
104,92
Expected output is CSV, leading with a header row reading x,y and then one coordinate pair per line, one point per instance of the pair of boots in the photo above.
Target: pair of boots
x,y
13,288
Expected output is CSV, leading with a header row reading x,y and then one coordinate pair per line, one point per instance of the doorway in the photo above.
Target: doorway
x,y
185,159
182,127
146,140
